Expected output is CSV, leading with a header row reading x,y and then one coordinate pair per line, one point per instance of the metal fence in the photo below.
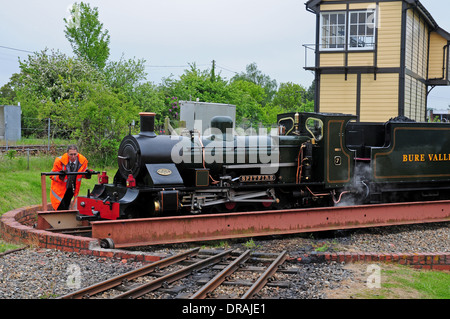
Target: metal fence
x,y
42,130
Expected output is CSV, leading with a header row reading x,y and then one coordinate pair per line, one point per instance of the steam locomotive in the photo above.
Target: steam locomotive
x,y
312,160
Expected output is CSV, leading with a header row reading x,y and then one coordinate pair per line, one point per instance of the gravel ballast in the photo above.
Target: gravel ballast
x,y
35,273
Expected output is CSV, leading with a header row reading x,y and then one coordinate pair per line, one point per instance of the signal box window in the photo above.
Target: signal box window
x,y
333,30
362,30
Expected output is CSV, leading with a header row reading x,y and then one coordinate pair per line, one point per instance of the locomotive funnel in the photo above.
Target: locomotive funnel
x,y
222,123
147,124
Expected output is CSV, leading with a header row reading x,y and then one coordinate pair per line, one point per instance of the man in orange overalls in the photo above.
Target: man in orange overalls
x,y
66,187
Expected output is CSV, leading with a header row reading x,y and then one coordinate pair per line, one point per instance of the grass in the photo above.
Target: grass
x,y
428,284
325,246
5,246
401,282
20,186
250,244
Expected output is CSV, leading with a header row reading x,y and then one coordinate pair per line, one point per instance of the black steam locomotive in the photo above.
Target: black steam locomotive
x,y
313,160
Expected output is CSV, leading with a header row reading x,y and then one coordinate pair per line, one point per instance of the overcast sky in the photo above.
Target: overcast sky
x,y
170,34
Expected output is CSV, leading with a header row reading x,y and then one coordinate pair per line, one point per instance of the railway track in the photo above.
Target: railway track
x,y
235,272
31,148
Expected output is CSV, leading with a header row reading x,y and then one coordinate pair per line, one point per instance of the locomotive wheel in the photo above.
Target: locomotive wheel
x,y
267,205
107,243
230,206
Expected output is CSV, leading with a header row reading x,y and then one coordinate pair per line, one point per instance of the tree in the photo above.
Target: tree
x,y
248,98
100,122
194,83
310,95
197,84
84,32
254,75
46,75
125,74
8,91
291,97
77,99
149,98
45,81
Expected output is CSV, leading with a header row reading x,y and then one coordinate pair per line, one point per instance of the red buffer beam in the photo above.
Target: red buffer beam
x,y
165,230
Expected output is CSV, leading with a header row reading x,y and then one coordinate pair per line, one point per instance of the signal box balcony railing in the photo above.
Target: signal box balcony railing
x,y
311,55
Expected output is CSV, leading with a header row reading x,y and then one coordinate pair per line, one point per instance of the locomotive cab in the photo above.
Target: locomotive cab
x,y
332,163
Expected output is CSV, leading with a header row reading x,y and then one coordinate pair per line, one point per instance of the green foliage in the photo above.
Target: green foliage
x,y
256,76
78,100
290,96
193,84
7,247
101,121
48,77
249,92
11,154
250,244
47,83
149,98
431,284
8,91
321,247
197,84
248,98
84,32
124,74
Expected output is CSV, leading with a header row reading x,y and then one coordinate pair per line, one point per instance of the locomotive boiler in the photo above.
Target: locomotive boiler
x,y
312,160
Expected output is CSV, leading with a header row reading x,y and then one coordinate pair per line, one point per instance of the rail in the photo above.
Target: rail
x,y
184,272
31,147
221,277
262,280
134,284
118,280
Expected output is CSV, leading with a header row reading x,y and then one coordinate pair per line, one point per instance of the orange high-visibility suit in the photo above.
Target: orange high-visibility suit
x,y
58,186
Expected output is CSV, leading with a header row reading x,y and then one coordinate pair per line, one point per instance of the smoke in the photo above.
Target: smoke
x,y
358,192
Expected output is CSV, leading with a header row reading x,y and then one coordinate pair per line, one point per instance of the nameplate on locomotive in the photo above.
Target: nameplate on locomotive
x,y
164,171
256,178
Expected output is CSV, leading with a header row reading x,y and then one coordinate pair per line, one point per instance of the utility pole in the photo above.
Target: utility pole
x,y
213,71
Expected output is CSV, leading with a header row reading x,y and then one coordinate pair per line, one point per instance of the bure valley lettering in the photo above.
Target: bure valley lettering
x,y
408,158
